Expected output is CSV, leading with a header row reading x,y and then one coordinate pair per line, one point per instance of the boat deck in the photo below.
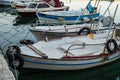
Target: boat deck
x,y
72,46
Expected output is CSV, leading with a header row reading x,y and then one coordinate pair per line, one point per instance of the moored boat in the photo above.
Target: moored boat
x,y
19,4
69,17
51,32
57,31
68,53
30,10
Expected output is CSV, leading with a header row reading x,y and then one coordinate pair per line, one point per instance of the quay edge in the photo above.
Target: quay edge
x,y
5,73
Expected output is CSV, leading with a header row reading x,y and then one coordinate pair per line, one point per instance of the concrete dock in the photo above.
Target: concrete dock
x,y
5,73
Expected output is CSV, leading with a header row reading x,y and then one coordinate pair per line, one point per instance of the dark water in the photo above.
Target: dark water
x,y
12,30
110,71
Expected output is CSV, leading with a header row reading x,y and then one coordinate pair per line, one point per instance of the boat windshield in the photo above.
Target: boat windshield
x,y
33,5
43,5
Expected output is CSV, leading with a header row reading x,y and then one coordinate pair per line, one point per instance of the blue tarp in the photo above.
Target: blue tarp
x,y
90,7
111,0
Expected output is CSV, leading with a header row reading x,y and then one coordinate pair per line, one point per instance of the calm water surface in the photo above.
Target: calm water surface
x,y
11,34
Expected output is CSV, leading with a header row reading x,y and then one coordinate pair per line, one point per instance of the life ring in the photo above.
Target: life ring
x,y
14,58
82,30
108,46
26,41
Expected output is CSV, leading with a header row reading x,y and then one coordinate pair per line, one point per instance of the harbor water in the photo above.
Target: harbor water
x,y
12,30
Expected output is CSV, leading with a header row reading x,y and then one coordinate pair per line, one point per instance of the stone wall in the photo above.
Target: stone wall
x,y
5,73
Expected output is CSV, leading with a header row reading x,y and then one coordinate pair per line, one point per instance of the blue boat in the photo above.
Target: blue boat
x,y
69,17
5,3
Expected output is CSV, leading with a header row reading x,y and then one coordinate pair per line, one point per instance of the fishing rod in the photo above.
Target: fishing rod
x,y
114,20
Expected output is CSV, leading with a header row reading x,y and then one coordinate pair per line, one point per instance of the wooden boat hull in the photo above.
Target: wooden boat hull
x,y
68,53
66,19
42,34
67,64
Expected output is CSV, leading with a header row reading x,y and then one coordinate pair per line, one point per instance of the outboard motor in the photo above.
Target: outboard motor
x,y
106,21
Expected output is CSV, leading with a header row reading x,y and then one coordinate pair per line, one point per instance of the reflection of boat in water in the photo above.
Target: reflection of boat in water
x,y
68,53
106,72
24,20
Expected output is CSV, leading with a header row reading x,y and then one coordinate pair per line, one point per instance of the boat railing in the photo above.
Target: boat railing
x,y
37,23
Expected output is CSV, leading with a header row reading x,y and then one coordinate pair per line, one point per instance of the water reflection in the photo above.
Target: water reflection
x,y
106,72
10,34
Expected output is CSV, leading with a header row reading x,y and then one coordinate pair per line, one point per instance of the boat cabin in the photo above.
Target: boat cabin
x,y
38,5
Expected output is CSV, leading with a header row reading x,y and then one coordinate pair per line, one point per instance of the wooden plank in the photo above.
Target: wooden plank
x,y
37,51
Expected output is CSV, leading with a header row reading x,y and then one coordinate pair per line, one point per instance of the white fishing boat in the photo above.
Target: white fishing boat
x,y
68,53
19,4
25,3
32,7
51,32
57,31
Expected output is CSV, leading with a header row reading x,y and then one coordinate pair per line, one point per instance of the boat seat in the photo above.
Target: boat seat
x,y
73,51
91,46
54,42
79,50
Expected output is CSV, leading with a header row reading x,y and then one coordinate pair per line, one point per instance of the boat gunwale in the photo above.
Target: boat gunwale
x,y
65,16
74,58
